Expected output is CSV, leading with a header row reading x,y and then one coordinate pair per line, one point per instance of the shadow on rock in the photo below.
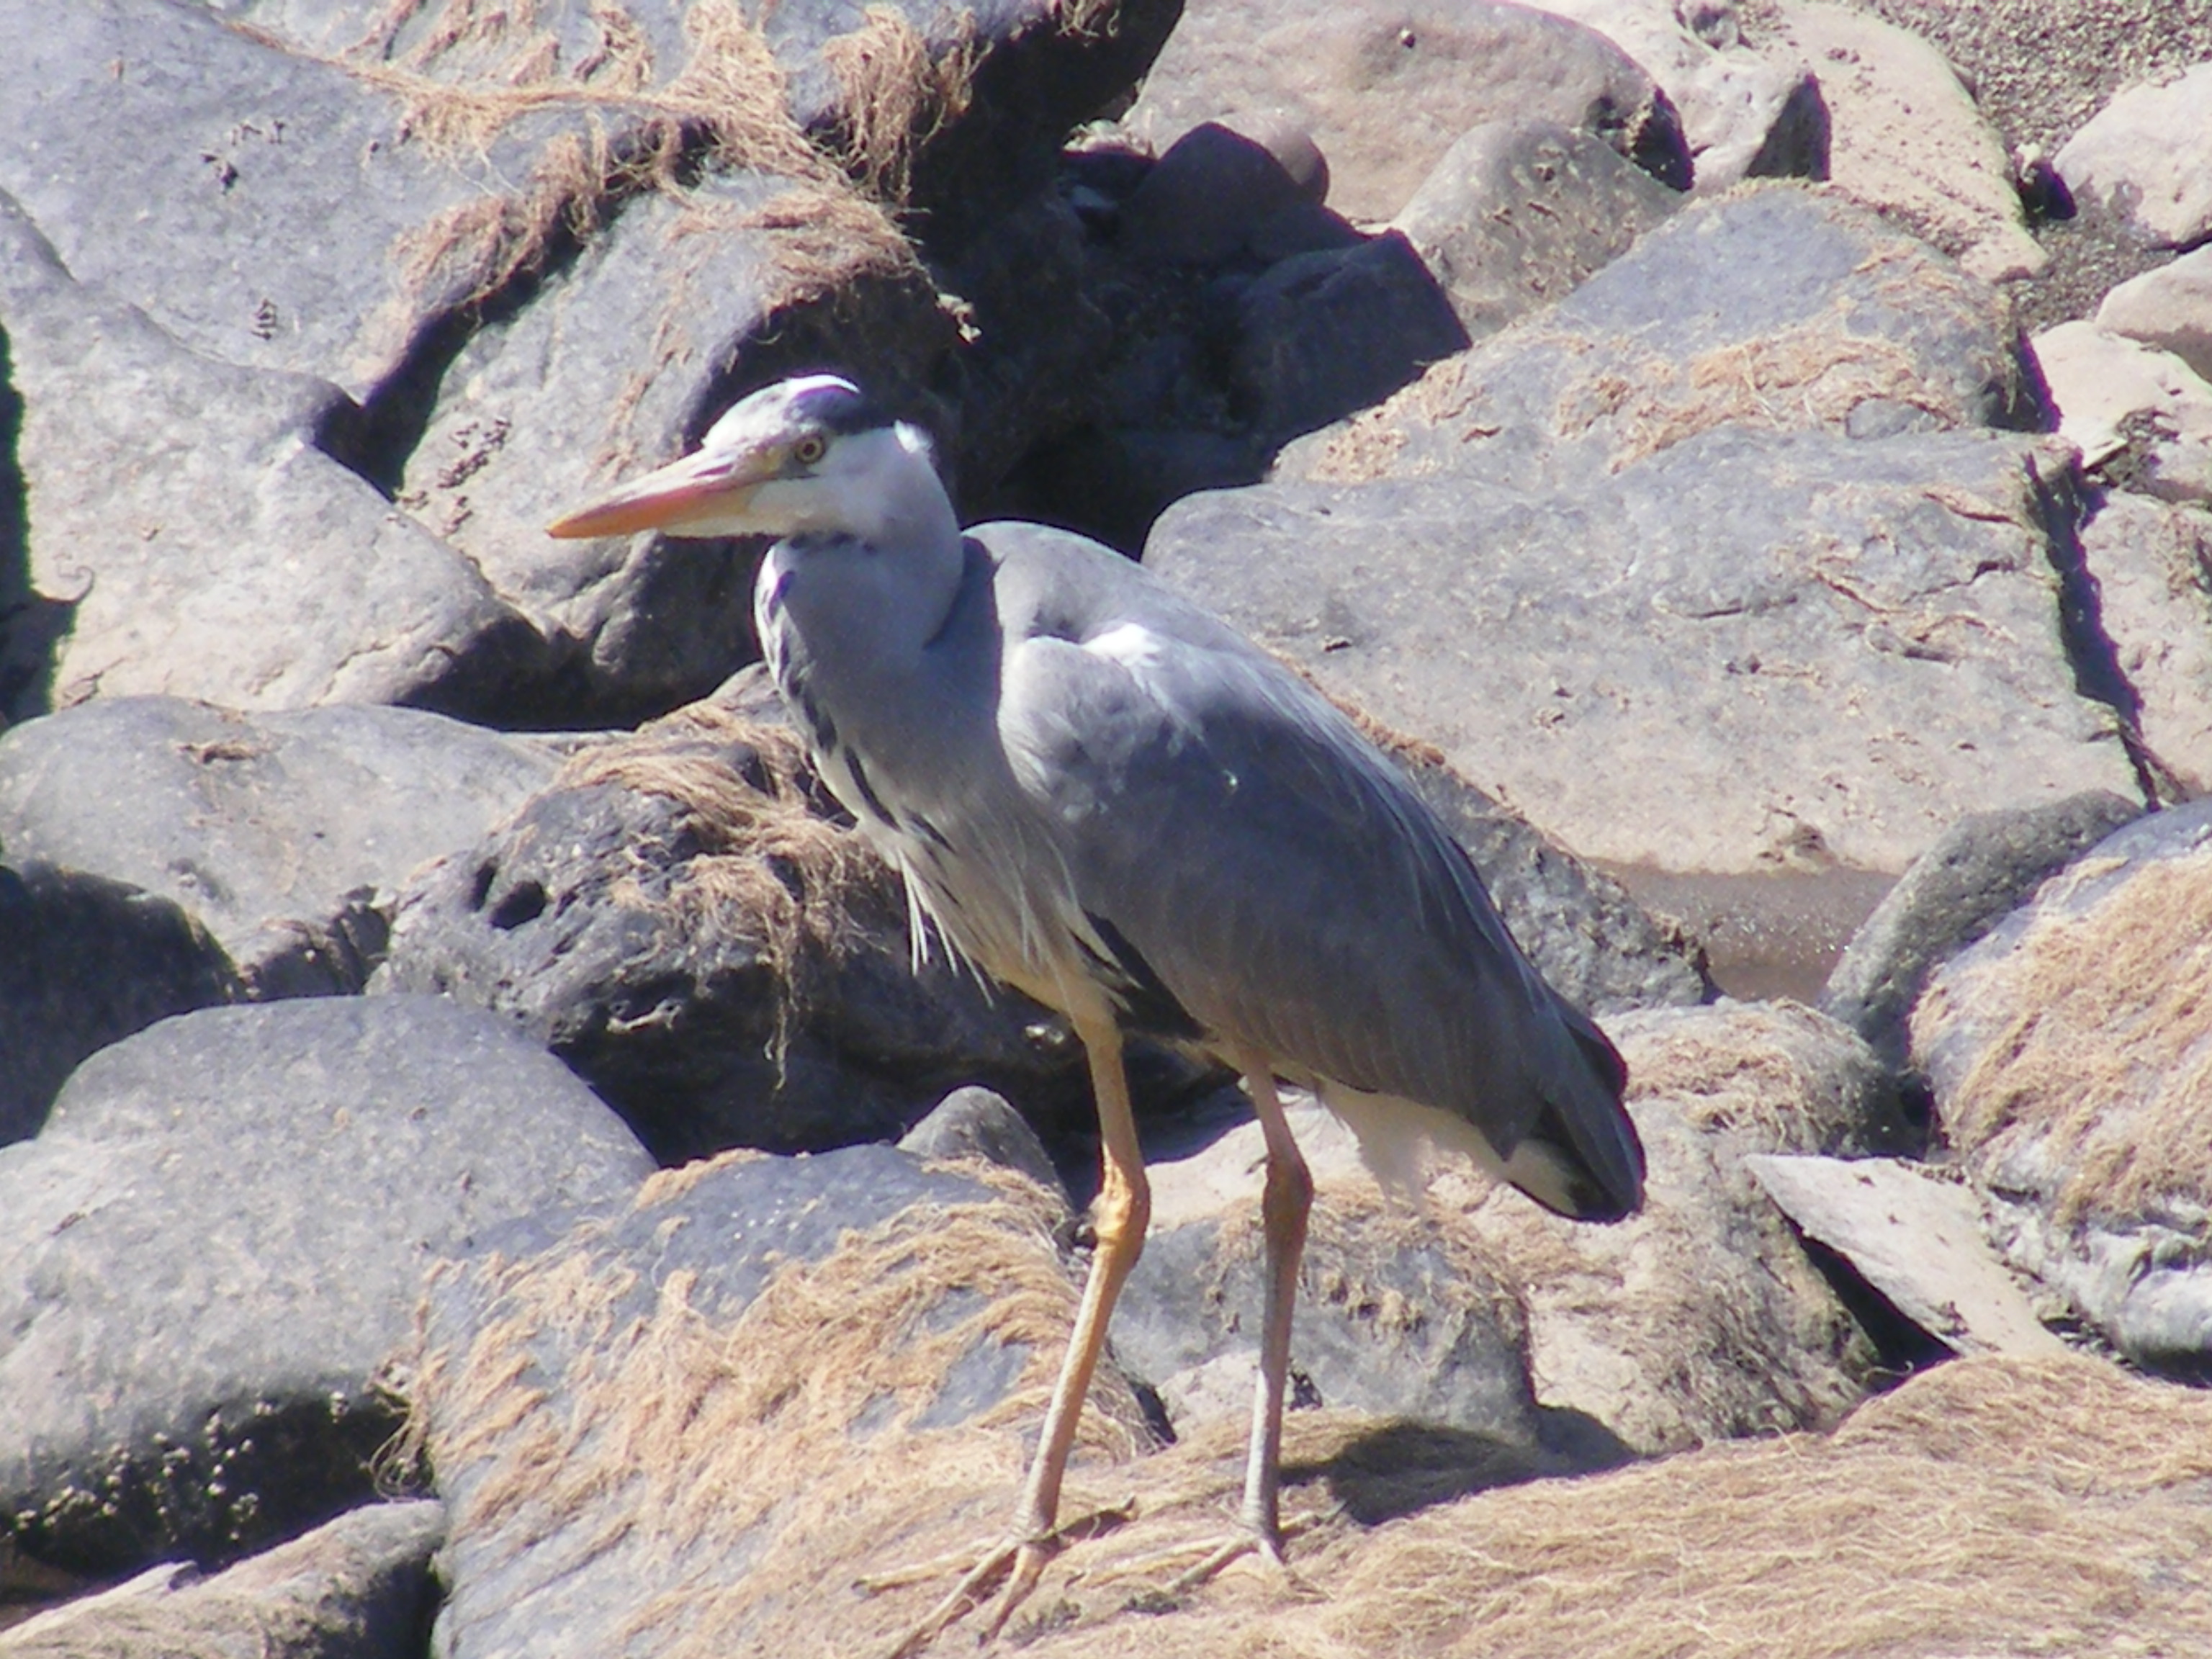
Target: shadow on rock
x,y
1397,1469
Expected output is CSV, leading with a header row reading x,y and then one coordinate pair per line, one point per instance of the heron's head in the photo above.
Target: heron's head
x,y
806,454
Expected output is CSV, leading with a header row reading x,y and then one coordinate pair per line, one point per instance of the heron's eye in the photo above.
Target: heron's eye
x,y
810,449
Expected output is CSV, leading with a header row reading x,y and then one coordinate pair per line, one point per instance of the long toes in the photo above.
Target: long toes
x,y
967,1595
1028,1567
1020,1562
915,1572
1233,1549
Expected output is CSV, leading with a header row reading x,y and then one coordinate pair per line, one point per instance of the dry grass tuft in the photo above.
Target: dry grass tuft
x,y
2105,1061
759,859
896,98
789,1432
1765,1069
1975,1511
749,1470
479,69
474,249
1809,376
769,864
1367,447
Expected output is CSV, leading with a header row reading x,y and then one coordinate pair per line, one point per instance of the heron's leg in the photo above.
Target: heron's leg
x,y
1283,1207
1122,1213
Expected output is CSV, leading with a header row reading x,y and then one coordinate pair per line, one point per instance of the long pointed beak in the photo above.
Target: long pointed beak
x,y
697,495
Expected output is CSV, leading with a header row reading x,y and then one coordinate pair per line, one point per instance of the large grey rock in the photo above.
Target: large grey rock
x,y
84,962
1747,651
1778,308
2072,1068
1699,483
976,1123
1919,1240
191,170
678,918
1384,89
1398,1314
1513,216
212,1254
948,99
1211,196
2146,157
286,836
199,543
359,1587
1976,873
509,293
1699,1318
750,1384
156,184
2151,561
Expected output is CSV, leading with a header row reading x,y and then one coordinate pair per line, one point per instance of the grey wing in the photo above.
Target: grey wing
x,y
1281,881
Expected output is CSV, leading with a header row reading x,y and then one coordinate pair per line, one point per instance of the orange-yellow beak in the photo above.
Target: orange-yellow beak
x,y
704,494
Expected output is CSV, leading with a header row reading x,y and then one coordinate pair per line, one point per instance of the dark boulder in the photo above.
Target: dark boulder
x,y
210,1258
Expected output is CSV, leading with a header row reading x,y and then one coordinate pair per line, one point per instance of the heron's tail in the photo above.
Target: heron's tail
x,y
1582,1157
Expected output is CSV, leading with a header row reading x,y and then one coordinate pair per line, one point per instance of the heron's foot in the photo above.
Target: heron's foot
x,y
1015,1562
1265,1546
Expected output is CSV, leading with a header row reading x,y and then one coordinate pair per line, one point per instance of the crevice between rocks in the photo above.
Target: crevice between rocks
x,y
2094,657
30,623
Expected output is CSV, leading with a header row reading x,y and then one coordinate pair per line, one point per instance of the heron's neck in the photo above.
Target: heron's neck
x,y
847,608
908,509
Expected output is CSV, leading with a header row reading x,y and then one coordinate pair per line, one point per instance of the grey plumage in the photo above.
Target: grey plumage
x,y
1107,797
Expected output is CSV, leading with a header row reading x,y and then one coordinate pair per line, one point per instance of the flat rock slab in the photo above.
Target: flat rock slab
x,y
360,1586
1915,1238
1751,650
287,835
193,539
216,1246
2072,1068
1385,89
730,1396
85,961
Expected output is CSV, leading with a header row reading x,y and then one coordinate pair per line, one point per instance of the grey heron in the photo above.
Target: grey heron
x,y
1106,796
